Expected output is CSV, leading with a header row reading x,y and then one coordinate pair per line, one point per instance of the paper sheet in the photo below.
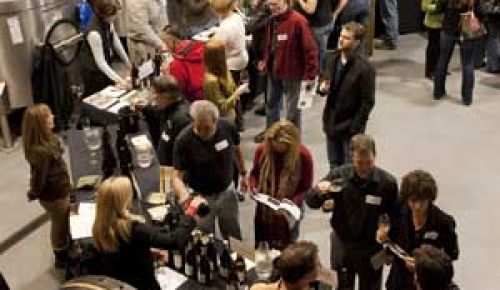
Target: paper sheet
x,y
81,224
169,279
16,34
146,69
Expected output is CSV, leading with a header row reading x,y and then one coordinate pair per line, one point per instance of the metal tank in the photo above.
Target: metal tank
x,y
23,26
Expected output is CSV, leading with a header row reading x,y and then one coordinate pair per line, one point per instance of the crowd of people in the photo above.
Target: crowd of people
x,y
278,48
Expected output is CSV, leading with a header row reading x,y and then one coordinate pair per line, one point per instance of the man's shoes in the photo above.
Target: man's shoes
x,y
260,137
467,102
385,45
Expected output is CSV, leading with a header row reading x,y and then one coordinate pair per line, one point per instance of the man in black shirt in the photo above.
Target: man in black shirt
x,y
167,118
204,157
349,81
361,194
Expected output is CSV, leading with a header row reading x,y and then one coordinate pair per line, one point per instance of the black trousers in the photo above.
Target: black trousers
x,y
432,51
348,262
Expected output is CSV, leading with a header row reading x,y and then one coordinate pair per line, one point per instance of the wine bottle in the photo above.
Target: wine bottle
x,y
134,75
157,62
190,264
225,262
199,250
124,154
212,254
240,269
204,273
108,156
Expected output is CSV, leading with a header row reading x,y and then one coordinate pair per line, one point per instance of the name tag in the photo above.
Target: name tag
x,y
165,137
373,200
221,145
431,235
282,37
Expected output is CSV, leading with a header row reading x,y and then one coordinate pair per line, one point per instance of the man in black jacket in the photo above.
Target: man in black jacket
x,y
349,80
167,118
361,194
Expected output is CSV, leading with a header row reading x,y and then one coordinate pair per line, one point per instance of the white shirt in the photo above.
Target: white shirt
x,y
231,31
95,43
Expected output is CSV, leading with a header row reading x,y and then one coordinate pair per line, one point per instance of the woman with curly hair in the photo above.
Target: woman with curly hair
x,y
283,169
421,223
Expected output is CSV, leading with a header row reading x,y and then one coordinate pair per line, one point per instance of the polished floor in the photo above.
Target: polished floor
x,y
458,144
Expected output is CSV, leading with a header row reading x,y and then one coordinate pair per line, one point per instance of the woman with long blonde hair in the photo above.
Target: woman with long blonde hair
x,y
219,86
50,182
283,169
124,242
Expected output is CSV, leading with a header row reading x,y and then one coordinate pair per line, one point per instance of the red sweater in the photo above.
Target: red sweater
x,y
306,173
188,69
296,53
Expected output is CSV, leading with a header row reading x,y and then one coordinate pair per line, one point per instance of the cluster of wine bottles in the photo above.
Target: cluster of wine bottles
x,y
145,82
203,261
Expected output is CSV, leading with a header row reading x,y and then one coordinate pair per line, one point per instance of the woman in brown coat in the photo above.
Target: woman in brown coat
x,y
50,182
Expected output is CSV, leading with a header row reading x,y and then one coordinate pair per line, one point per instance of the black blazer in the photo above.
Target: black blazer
x,y
349,105
439,231
132,262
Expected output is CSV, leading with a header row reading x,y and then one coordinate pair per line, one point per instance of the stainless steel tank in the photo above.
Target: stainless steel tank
x,y
23,26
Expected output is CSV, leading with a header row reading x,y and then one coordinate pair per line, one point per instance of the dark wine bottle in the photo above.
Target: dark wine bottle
x,y
204,273
134,75
240,269
190,264
199,250
226,262
109,162
157,62
212,255
124,154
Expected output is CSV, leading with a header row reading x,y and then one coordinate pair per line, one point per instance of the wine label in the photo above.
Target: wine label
x,y
212,266
189,270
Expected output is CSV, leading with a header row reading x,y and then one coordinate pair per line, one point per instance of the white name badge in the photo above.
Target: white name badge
x,y
165,137
282,37
374,200
221,145
431,235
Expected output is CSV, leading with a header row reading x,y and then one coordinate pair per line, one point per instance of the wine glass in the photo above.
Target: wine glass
x,y
263,261
92,138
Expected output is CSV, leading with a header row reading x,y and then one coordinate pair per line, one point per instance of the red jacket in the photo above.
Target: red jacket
x,y
188,69
296,53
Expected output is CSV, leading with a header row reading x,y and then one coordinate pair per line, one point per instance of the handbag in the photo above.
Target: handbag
x,y
470,26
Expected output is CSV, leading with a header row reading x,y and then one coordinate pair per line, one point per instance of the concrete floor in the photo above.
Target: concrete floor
x,y
458,144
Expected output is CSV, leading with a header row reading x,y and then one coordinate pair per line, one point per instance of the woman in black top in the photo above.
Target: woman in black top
x,y
101,45
421,223
124,243
450,35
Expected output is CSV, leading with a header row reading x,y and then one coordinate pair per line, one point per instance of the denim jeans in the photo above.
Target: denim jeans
x,y
321,34
468,51
354,11
493,48
276,89
338,152
224,207
389,15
